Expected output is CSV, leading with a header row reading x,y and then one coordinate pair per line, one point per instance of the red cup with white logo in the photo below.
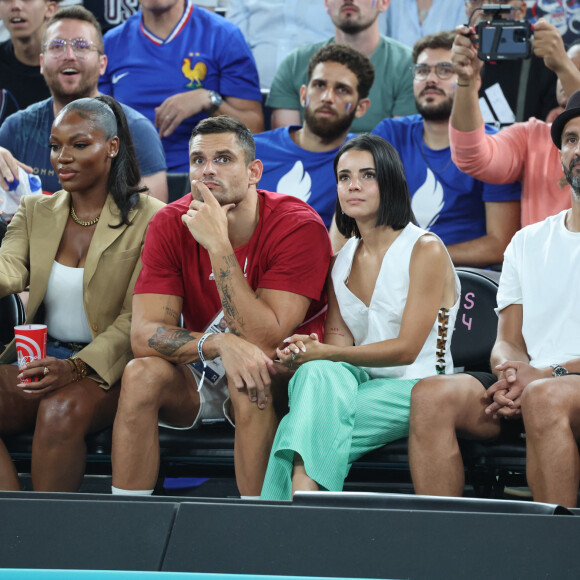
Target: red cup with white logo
x,y
30,345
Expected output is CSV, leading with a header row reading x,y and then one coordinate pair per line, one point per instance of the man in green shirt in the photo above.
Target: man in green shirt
x,y
356,24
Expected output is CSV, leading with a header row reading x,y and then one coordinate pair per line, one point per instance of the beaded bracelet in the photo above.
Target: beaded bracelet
x,y
201,357
81,367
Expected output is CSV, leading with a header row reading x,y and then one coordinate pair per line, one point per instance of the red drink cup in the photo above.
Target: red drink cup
x,y
30,345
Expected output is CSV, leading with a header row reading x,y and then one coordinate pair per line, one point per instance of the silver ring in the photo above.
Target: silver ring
x,y
293,356
46,371
169,117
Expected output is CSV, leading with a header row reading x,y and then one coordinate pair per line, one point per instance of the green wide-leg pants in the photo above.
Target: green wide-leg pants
x,y
337,414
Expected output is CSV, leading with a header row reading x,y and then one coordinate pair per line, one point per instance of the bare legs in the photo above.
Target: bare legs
x,y
8,476
152,388
441,406
300,480
255,431
63,418
551,411
17,414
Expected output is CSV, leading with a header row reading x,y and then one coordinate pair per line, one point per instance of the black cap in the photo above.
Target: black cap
x,y
572,110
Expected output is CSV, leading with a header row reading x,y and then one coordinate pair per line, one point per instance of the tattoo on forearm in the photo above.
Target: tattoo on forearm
x,y
233,328
231,261
168,342
233,317
230,310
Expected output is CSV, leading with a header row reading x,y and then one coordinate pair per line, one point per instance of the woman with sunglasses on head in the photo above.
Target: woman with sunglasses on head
x,y
79,251
393,296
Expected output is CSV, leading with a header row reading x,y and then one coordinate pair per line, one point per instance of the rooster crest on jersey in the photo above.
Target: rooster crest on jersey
x,y
195,75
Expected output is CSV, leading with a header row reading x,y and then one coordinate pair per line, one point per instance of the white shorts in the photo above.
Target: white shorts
x,y
214,404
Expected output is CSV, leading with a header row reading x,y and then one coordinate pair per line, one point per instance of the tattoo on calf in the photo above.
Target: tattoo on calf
x,y
167,342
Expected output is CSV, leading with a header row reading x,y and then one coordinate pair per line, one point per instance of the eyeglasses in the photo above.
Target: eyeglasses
x,y
81,47
444,70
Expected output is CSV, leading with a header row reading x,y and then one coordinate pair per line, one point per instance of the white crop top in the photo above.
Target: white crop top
x,y
66,319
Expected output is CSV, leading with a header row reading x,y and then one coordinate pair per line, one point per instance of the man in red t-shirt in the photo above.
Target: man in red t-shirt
x,y
225,254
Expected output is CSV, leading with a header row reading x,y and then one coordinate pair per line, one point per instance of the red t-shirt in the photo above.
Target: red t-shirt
x,y
290,250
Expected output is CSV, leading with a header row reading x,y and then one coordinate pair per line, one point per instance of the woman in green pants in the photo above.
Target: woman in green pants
x,y
393,296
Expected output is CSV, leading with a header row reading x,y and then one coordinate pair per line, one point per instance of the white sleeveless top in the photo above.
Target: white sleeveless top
x,y
381,320
66,318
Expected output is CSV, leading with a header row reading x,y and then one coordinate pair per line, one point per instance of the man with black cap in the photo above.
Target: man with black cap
x,y
535,359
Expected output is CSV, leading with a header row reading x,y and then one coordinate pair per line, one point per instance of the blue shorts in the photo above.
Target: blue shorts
x,y
59,349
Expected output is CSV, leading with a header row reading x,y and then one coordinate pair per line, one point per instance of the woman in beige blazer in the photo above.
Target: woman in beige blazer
x,y
91,234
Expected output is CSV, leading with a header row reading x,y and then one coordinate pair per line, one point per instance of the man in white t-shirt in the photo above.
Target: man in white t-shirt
x,y
535,359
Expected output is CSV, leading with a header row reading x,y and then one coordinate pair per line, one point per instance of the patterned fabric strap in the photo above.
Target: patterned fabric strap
x,y
442,325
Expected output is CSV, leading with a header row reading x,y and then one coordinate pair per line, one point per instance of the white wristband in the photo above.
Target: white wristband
x,y
202,358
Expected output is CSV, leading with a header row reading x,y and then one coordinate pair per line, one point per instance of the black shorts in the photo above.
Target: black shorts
x,y
512,429
486,379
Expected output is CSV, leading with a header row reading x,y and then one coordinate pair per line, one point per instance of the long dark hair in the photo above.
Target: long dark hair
x,y
395,201
124,182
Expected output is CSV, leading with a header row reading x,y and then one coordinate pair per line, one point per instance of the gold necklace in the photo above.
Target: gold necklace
x,y
75,218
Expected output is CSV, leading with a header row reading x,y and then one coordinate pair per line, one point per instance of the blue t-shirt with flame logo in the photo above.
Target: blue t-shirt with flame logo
x,y
445,200
289,169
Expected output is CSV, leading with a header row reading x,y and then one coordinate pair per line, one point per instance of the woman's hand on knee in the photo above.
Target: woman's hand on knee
x,y
46,375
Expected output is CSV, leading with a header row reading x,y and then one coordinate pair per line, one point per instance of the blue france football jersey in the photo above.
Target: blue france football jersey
x,y
203,51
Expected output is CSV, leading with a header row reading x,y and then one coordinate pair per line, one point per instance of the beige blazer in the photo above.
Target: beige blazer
x,y
111,269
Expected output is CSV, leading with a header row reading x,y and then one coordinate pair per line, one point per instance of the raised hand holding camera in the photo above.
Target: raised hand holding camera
x,y
500,38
